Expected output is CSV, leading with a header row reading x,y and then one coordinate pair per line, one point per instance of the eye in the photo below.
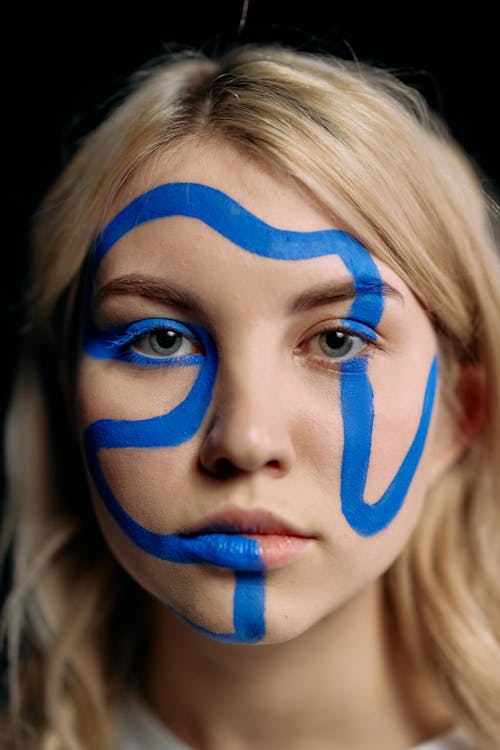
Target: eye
x,y
155,342
163,343
337,344
340,344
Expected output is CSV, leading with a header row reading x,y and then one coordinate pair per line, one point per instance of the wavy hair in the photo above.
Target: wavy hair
x,y
368,148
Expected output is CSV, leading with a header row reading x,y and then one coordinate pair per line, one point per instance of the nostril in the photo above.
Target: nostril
x,y
273,464
221,467
224,468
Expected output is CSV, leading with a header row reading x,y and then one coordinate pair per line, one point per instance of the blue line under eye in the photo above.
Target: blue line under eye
x,y
156,342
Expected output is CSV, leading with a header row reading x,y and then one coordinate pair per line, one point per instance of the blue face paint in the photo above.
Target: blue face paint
x,y
237,552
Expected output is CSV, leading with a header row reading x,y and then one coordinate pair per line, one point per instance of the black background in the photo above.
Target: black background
x,y
60,66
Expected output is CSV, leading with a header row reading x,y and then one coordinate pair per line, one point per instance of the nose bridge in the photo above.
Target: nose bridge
x,y
249,389
250,423
251,361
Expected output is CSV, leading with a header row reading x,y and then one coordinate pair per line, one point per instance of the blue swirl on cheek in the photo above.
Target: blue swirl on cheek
x,y
239,553
231,220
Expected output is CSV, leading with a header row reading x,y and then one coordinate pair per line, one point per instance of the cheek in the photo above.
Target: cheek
x,y
319,443
188,590
107,389
151,484
397,406
386,412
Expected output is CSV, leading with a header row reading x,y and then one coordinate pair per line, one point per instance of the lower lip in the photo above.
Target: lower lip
x,y
242,551
279,549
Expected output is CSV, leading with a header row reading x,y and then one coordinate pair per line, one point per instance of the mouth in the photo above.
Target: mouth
x,y
246,540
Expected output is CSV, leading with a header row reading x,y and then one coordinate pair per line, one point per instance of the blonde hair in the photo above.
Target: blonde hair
x,y
368,149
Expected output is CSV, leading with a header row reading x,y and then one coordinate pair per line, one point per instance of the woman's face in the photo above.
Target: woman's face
x,y
257,398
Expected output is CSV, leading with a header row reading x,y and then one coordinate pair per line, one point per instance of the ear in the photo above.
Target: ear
x,y
472,394
458,425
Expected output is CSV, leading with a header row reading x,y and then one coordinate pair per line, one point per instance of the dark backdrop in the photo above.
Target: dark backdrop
x,y
59,67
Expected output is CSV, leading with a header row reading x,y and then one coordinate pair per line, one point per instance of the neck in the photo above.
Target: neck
x,y
332,687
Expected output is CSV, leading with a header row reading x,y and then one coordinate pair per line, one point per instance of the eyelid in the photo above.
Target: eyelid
x,y
346,325
355,328
119,343
125,333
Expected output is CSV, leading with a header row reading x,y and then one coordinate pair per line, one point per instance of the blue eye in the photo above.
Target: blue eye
x,y
344,341
163,342
155,342
340,344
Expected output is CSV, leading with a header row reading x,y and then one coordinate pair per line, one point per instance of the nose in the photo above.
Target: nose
x,y
250,427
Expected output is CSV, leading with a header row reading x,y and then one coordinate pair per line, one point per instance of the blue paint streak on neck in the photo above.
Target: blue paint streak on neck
x,y
230,219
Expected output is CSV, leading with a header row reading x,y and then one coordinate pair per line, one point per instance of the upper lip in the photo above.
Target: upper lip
x,y
239,521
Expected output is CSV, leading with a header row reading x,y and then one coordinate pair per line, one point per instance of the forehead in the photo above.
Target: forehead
x,y
263,190
177,242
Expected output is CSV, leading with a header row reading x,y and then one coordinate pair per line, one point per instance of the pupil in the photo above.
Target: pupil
x,y
166,339
336,340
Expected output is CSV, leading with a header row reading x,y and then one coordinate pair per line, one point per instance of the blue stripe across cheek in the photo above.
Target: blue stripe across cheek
x,y
234,551
356,396
243,555
173,428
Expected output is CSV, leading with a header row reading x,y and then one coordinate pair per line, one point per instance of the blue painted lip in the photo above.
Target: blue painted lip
x,y
227,550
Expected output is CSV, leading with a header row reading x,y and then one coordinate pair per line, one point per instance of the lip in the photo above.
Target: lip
x,y
239,521
247,539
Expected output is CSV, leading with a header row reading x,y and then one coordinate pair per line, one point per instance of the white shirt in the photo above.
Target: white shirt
x,y
139,729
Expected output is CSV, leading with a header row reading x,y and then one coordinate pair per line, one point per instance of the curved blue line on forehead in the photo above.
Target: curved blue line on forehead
x,y
227,217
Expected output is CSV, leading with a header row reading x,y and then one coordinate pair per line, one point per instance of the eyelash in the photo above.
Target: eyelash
x,y
122,341
353,330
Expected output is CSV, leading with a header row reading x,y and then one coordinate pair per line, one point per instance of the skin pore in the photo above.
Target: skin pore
x,y
265,452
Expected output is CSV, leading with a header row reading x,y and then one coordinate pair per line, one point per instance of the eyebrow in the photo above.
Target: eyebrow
x,y
328,293
323,294
148,288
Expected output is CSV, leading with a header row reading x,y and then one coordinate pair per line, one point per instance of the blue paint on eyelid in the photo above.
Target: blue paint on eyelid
x,y
230,219
115,344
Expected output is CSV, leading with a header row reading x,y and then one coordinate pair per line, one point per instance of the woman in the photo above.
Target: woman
x,y
252,482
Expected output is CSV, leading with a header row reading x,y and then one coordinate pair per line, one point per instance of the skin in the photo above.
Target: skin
x,y
271,441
